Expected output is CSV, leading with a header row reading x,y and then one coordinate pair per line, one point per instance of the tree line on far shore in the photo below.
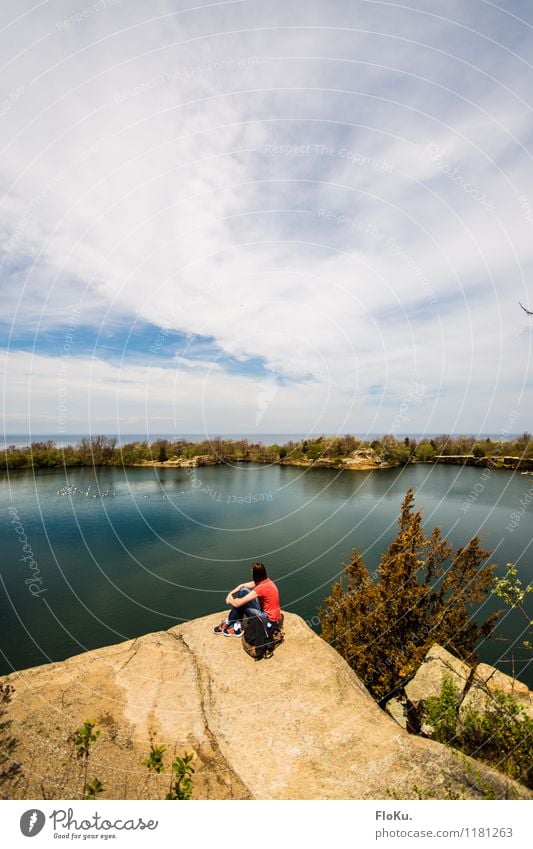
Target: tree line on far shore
x,y
101,450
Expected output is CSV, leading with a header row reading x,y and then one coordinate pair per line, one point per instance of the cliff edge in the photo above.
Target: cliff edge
x,y
297,726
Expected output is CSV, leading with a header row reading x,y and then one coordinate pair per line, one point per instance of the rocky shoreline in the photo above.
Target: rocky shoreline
x,y
354,464
350,463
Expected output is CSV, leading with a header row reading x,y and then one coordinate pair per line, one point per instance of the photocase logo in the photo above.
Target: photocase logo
x,y
32,822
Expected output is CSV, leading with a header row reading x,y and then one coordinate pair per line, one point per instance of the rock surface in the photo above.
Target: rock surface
x,y
298,726
429,677
395,708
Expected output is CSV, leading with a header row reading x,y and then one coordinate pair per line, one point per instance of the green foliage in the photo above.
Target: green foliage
x,y
34,456
181,784
315,451
182,770
425,451
422,595
101,450
90,451
180,787
97,450
510,589
524,445
443,444
155,760
441,712
84,737
501,736
93,789
395,452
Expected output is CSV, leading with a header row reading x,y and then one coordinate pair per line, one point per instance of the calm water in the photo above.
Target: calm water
x,y
165,545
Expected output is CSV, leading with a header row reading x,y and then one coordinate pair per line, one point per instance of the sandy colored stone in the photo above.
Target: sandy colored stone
x,y
395,709
298,726
427,682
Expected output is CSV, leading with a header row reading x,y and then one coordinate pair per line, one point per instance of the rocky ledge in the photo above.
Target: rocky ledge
x,y
297,726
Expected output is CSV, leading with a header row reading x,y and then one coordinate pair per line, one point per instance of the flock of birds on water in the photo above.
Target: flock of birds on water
x,y
70,489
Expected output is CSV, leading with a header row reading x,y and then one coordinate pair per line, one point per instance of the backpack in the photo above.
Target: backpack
x,y
260,638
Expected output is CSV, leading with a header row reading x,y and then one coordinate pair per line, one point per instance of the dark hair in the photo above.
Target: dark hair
x,y
259,572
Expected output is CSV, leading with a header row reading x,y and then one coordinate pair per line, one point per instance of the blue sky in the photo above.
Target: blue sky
x,y
271,217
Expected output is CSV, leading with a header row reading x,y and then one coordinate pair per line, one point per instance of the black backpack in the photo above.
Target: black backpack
x,y
260,638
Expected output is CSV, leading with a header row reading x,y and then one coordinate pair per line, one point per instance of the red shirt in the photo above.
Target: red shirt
x,y
268,595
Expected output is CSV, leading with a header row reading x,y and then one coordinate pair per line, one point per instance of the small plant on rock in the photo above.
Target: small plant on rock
x,y
93,789
154,761
84,737
181,784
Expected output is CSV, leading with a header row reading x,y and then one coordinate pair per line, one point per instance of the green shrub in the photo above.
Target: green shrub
x,y
423,594
425,451
441,712
501,736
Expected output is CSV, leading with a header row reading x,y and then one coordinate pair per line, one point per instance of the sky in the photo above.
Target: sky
x,y
258,217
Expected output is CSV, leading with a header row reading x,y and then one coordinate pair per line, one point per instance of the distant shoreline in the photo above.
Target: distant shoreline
x,y
42,456
346,452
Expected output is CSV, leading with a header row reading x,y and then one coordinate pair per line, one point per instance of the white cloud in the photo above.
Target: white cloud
x,y
137,180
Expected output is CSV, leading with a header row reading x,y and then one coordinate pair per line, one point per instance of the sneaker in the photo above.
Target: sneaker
x,y
221,629
231,632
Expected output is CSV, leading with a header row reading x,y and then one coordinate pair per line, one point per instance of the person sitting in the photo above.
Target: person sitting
x,y
259,597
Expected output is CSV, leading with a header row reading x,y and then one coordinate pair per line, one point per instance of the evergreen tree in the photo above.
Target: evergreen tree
x,y
383,628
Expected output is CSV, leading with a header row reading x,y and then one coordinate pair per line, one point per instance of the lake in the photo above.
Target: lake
x,y
125,552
